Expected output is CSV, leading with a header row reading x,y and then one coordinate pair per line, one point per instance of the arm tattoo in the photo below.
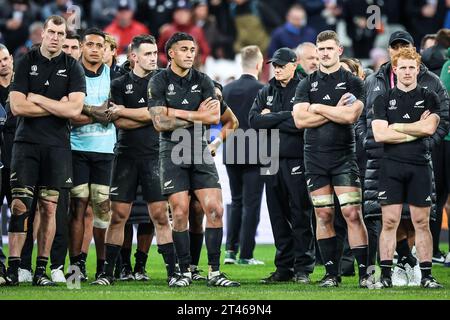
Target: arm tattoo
x,y
162,122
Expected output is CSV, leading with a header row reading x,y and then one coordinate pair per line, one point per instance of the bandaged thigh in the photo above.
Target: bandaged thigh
x,y
80,191
352,198
323,201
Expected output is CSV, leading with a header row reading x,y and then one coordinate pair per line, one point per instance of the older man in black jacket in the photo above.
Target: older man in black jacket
x,y
378,84
288,202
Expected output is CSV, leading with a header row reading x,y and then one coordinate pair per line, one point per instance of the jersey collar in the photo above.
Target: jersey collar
x,y
323,75
410,93
136,78
43,59
179,79
91,74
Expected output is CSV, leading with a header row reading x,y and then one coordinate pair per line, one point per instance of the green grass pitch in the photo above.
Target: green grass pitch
x,y
156,288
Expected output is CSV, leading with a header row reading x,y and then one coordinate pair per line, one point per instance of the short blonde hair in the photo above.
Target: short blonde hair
x,y
250,56
109,39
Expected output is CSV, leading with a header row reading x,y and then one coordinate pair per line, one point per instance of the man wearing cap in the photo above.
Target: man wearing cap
x,y
378,84
287,197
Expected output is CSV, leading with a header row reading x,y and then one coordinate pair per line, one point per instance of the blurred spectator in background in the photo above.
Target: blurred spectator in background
x,y
435,56
307,59
428,41
155,13
273,13
183,22
322,14
249,28
395,13
72,45
221,44
124,28
447,14
34,38
68,9
16,16
293,32
355,16
424,17
103,12
57,7
221,11
378,57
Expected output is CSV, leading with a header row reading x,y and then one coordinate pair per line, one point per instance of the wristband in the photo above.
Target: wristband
x,y
351,99
217,141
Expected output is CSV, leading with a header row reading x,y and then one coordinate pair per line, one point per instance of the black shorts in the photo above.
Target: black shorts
x,y
39,165
447,164
405,183
91,168
128,174
176,178
338,169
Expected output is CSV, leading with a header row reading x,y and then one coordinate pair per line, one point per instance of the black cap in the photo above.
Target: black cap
x,y
283,56
124,5
403,36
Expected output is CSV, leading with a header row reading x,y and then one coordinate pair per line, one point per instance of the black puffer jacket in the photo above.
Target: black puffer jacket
x,y
376,84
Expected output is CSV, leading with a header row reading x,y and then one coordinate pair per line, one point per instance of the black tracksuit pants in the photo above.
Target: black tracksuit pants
x,y
290,213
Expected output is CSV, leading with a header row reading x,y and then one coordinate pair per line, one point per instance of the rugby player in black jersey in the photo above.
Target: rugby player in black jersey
x,y
48,89
136,160
404,118
180,96
328,103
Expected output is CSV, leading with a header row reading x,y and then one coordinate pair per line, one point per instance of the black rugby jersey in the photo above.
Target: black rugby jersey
x,y
54,79
398,106
185,93
130,91
327,89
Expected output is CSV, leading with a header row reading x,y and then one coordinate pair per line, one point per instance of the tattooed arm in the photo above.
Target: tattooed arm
x,y
162,122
